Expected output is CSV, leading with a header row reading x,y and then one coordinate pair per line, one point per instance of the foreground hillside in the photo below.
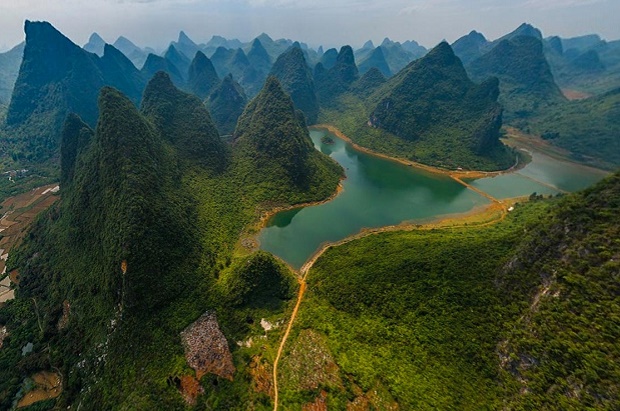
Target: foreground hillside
x,y
140,259
519,315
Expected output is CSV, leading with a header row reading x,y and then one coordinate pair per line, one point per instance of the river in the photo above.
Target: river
x,y
378,192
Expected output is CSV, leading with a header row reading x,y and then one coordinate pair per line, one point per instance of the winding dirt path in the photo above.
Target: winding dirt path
x,y
461,219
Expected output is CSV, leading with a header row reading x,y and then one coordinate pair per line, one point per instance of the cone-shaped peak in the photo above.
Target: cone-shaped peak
x,y
184,121
95,44
202,76
226,103
272,136
329,58
95,38
184,39
160,83
257,54
442,54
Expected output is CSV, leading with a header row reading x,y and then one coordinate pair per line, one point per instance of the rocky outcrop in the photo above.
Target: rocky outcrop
x,y
206,348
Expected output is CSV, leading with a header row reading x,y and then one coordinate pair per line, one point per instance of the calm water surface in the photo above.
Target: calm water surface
x,y
543,175
377,192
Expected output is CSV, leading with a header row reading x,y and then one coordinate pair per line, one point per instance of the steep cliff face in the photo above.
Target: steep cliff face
x,y
57,77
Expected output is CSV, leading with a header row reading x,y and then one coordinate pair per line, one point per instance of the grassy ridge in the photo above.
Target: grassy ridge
x,y
521,314
415,321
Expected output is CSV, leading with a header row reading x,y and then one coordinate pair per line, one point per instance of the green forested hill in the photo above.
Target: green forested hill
x,y
179,60
184,121
336,79
226,103
202,77
292,70
470,47
143,242
377,60
273,147
57,77
368,83
589,128
154,63
429,112
526,83
519,315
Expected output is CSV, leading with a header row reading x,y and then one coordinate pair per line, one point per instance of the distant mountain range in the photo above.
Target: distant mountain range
x,y
9,69
530,69
141,287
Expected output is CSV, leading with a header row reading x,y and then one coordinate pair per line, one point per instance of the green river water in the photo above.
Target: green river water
x,y
378,192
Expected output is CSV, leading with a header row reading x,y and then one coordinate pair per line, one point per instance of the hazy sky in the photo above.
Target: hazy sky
x,y
328,22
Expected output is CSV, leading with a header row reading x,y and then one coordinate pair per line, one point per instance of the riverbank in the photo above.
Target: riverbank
x,y
518,139
248,242
480,216
475,218
435,170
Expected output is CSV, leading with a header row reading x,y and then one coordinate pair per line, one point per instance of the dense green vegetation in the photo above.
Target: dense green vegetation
x,y
520,315
468,48
334,81
589,128
259,58
58,77
586,63
377,60
526,82
154,224
236,62
36,176
226,103
295,76
185,122
275,152
143,241
202,77
429,112
368,83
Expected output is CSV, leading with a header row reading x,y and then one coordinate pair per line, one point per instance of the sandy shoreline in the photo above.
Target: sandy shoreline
x,y
420,166
437,222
